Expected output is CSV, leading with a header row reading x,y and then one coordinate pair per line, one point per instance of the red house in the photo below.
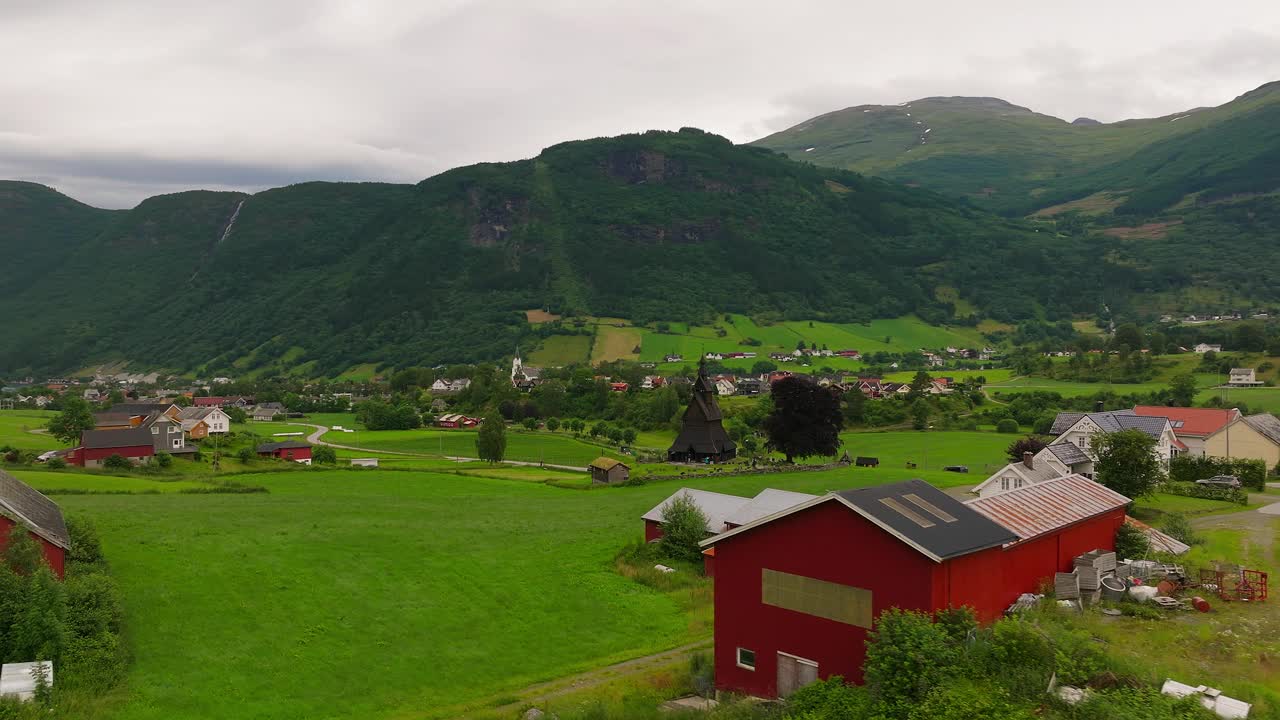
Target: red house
x,y
456,421
135,444
294,450
797,591
22,506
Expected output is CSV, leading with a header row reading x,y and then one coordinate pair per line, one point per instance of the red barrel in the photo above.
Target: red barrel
x,y
1200,604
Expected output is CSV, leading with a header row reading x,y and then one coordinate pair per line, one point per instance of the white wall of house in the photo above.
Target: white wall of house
x,y
218,421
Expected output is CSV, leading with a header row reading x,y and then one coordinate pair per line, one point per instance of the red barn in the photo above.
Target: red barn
x,y
294,450
797,591
454,420
22,506
1055,521
209,401
134,444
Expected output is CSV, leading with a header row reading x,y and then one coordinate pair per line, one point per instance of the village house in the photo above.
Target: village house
x,y
456,420
135,445
652,382
1244,377
1026,471
1203,348
1255,437
524,377
608,471
166,434
673,358
726,385
92,395
266,412
22,505
798,590
294,450
752,386
851,354
619,387
1078,429
1191,425
200,422
724,512
140,411
114,421
445,386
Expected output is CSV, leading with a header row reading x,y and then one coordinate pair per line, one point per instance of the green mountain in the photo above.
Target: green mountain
x,y
1015,161
1188,195
660,226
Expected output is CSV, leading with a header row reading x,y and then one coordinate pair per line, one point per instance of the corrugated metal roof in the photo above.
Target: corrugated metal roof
x,y
716,506
1160,542
1034,510
768,502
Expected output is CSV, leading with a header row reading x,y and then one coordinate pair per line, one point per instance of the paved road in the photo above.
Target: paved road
x,y
316,439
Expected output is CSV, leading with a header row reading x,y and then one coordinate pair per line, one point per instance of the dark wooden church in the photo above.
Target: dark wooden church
x,y
702,437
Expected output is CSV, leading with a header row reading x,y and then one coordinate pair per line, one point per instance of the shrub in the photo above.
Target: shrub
x,y
1143,702
907,657
246,454
530,423
683,526
1131,542
1007,425
967,700
85,546
1018,655
702,673
1077,657
117,462
1176,525
56,463
324,455
1208,492
1189,468
829,699
164,459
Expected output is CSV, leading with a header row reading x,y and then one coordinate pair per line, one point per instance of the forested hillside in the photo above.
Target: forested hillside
x,y
1187,195
659,226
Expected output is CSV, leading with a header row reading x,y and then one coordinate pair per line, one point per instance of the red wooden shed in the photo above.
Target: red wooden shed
x,y
22,506
298,452
797,591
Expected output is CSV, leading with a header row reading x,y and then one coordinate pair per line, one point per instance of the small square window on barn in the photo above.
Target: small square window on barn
x,y
832,601
746,658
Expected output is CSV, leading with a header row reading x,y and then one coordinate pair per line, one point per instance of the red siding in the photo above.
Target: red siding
x,y
828,542
84,455
294,454
652,530
53,554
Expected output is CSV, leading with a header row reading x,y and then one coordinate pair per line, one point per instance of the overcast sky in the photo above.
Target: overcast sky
x,y
111,102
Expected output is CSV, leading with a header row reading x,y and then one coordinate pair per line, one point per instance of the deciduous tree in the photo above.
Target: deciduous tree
x,y
1182,390
75,418
1127,463
806,419
684,525
491,440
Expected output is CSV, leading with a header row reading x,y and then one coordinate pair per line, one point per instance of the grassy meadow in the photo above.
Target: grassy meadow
x,y
425,590
15,427
612,342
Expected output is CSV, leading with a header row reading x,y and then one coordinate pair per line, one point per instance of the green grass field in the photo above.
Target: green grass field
x,y
16,424
561,350
554,448
378,594
54,482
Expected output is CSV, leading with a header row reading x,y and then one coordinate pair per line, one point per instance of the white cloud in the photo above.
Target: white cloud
x,y
121,100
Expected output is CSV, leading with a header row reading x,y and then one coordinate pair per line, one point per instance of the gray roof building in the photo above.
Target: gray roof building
x,y
24,504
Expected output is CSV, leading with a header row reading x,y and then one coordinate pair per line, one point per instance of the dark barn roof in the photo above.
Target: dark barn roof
x,y
23,504
286,445
105,439
928,519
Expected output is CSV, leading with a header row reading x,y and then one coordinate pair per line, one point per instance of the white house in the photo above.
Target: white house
x,y
1026,471
725,386
1078,429
1244,377
1203,348
218,421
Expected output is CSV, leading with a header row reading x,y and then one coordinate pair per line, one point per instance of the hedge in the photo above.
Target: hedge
x,y
1208,492
1186,468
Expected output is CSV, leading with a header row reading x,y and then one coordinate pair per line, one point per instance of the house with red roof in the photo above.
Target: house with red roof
x,y
1191,425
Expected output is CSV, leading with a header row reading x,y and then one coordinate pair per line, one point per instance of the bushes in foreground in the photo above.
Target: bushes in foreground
x,y
76,623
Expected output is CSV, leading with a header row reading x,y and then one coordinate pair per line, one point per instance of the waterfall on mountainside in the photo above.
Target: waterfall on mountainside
x,y
231,222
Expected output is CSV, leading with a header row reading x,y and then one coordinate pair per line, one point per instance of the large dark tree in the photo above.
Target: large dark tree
x,y
806,419
1027,444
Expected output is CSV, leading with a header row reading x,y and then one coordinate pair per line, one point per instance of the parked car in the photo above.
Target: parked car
x,y
957,468
1230,481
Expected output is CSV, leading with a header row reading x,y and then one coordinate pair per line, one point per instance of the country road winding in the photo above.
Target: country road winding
x,y
316,438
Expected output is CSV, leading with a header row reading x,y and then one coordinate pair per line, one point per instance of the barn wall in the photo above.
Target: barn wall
x,y
1029,564
53,554
975,580
652,530
828,542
